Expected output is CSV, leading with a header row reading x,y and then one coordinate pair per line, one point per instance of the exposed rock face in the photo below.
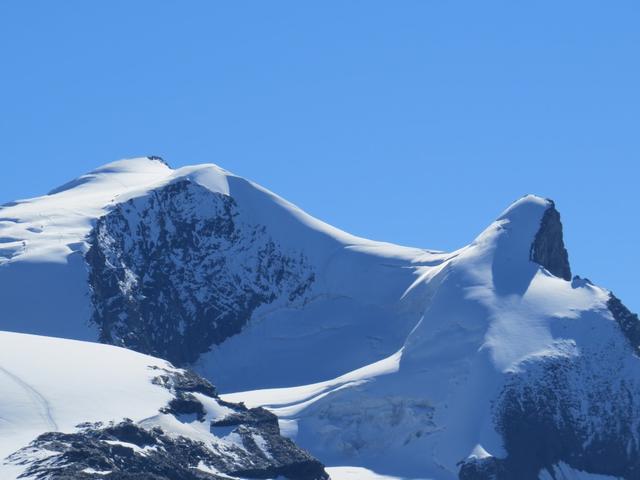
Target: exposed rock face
x,y
565,410
488,468
627,321
186,381
180,269
127,451
548,247
143,451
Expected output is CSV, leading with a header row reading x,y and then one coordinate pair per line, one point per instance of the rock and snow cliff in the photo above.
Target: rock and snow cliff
x,y
75,410
487,362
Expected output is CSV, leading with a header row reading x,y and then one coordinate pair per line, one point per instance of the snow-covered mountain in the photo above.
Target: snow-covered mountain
x,y
487,362
79,410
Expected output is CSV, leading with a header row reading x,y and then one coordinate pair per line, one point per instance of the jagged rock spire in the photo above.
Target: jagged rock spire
x,y
548,247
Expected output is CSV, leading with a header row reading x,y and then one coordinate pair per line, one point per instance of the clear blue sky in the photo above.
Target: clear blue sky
x,y
415,122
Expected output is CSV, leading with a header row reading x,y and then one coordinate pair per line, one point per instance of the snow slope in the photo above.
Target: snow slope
x,y
42,244
84,392
401,361
489,315
50,385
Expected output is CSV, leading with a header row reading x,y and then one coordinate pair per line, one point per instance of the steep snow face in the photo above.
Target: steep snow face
x,y
89,409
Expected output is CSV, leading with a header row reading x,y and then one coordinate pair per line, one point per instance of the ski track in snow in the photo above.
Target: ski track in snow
x,y
45,408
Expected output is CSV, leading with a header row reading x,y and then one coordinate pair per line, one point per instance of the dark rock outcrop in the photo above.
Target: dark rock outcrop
x,y
249,445
159,159
488,468
185,381
126,451
564,410
178,270
548,247
626,320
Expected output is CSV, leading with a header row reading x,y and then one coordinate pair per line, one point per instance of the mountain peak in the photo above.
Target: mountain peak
x,y
129,167
133,165
528,207
211,270
548,247
531,229
157,158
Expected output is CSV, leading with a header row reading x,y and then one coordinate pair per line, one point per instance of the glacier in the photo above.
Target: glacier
x,y
491,361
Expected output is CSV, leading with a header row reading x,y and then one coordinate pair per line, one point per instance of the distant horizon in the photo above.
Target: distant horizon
x,y
414,123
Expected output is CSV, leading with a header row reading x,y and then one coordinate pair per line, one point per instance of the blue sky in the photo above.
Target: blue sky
x,y
415,122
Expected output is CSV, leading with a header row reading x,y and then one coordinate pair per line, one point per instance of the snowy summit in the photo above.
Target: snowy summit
x,y
381,361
